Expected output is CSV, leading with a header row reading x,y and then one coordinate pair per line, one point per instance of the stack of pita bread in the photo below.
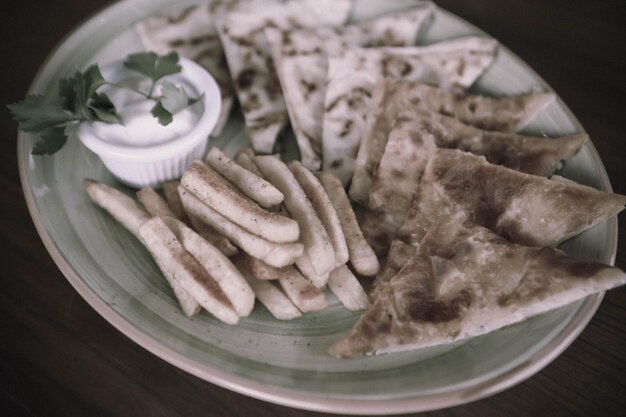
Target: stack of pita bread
x,y
466,210
247,44
468,218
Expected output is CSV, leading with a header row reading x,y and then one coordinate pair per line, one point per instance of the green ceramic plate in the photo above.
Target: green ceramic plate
x,y
281,362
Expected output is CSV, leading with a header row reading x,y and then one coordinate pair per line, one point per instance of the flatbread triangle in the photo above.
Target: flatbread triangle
x,y
414,139
458,286
506,114
452,65
301,59
526,209
249,59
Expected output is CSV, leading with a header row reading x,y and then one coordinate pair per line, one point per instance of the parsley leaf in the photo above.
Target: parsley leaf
x,y
80,101
173,97
164,116
78,89
173,100
103,108
51,141
153,66
35,114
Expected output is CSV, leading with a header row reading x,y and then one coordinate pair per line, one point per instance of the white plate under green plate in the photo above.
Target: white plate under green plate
x,y
285,362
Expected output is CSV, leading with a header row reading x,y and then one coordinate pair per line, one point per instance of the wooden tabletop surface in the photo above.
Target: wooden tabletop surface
x,y
58,357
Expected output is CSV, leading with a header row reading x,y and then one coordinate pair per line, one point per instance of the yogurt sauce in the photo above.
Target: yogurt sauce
x,y
139,127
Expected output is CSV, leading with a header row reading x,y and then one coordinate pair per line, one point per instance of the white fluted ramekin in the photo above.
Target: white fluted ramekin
x,y
149,166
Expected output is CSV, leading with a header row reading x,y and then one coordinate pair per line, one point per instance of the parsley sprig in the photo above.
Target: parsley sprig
x,y
80,102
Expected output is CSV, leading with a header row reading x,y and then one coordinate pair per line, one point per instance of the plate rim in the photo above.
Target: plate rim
x,y
298,399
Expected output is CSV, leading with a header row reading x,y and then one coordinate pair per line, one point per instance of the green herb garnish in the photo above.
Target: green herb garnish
x,y
80,102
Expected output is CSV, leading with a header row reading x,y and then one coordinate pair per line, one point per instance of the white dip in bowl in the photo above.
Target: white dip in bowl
x,y
141,152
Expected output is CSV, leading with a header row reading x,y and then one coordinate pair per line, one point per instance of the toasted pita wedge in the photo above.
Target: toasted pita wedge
x,y
170,189
451,290
502,114
273,299
536,155
361,255
452,65
210,188
173,259
348,289
154,203
389,98
193,34
324,209
126,211
414,139
227,276
249,58
301,292
250,184
300,56
317,244
525,209
275,254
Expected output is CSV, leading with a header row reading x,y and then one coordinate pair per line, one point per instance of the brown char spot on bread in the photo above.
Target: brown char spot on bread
x,y
336,164
555,260
181,16
252,103
395,67
198,40
264,122
431,310
308,88
243,42
347,127
286,38
273,89
461,68
416,138
377,322
398,174
351,98
245,79
210,52
406,69
574,267
443,110
177,43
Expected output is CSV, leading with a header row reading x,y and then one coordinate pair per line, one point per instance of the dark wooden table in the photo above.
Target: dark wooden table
x,y
59,357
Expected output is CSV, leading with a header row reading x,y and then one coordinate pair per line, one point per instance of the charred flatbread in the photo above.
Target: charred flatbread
x,y
458,286
249,58
453,65
301,59
414,139
525,209
507,114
